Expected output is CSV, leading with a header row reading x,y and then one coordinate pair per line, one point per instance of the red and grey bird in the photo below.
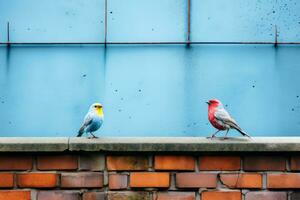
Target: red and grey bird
x,y
220,118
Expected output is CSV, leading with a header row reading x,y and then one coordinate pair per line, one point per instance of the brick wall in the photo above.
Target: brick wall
x,y
95,176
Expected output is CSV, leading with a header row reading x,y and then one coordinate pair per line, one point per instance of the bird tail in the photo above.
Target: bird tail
x,y
81,131
243,133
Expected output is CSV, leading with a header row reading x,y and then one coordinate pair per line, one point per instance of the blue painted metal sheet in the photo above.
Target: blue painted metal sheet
x,y
245,20
52,21
149,90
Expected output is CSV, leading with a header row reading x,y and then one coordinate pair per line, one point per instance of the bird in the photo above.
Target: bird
x,y
92,120
220,118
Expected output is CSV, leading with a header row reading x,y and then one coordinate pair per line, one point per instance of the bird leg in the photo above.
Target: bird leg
x,y
226,134
214,135
89,137
93,135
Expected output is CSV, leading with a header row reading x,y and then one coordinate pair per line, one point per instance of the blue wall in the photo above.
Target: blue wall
x,y
149,90
149,20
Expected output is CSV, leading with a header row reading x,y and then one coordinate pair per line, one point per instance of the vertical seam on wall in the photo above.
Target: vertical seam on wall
x,y
239,172
34,164
189,22
105,23
288,164
151,163
197,163
33,194
264,180
78,162
14,180
197,195
106,174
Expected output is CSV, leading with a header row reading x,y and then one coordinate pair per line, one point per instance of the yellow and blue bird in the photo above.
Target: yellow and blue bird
x,y
92,120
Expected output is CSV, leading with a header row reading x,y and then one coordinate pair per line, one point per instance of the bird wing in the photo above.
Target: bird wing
x,y
222,115
87,121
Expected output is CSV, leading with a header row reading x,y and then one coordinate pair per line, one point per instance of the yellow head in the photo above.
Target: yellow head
x,y
97,108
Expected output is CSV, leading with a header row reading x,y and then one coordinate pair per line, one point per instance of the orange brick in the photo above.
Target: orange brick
x,y
245,180
264,163
37,180
150,179
117,181
196,180
220,163
278,181
6,180
15,162
127,163
220,195
14,195
174,163
175,196
295,163
82,180
59,162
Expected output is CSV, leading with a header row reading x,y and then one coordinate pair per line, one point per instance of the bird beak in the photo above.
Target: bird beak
x,y
207,102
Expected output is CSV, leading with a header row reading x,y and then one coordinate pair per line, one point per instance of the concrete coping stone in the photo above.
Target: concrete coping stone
x,y
150,144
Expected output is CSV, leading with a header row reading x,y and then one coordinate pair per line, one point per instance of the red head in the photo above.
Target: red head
x,y
213,103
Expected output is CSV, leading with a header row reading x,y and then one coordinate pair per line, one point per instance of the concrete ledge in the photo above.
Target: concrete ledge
x,y
36,144
150,144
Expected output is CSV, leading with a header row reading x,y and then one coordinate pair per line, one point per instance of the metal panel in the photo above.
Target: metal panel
x,y
246,20
147,21
288,20
149,90
52,21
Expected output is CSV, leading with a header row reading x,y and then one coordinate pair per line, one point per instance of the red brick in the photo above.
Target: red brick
x,y
196,180
175,196
131,163
266,196
129,196
14,195
150,179
92,162
57,162
94,196
15,162
245,180
278,181
6,180
82,180
58,195
264,163
219,163
174,163
117,181
295,163
221,195
37,180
